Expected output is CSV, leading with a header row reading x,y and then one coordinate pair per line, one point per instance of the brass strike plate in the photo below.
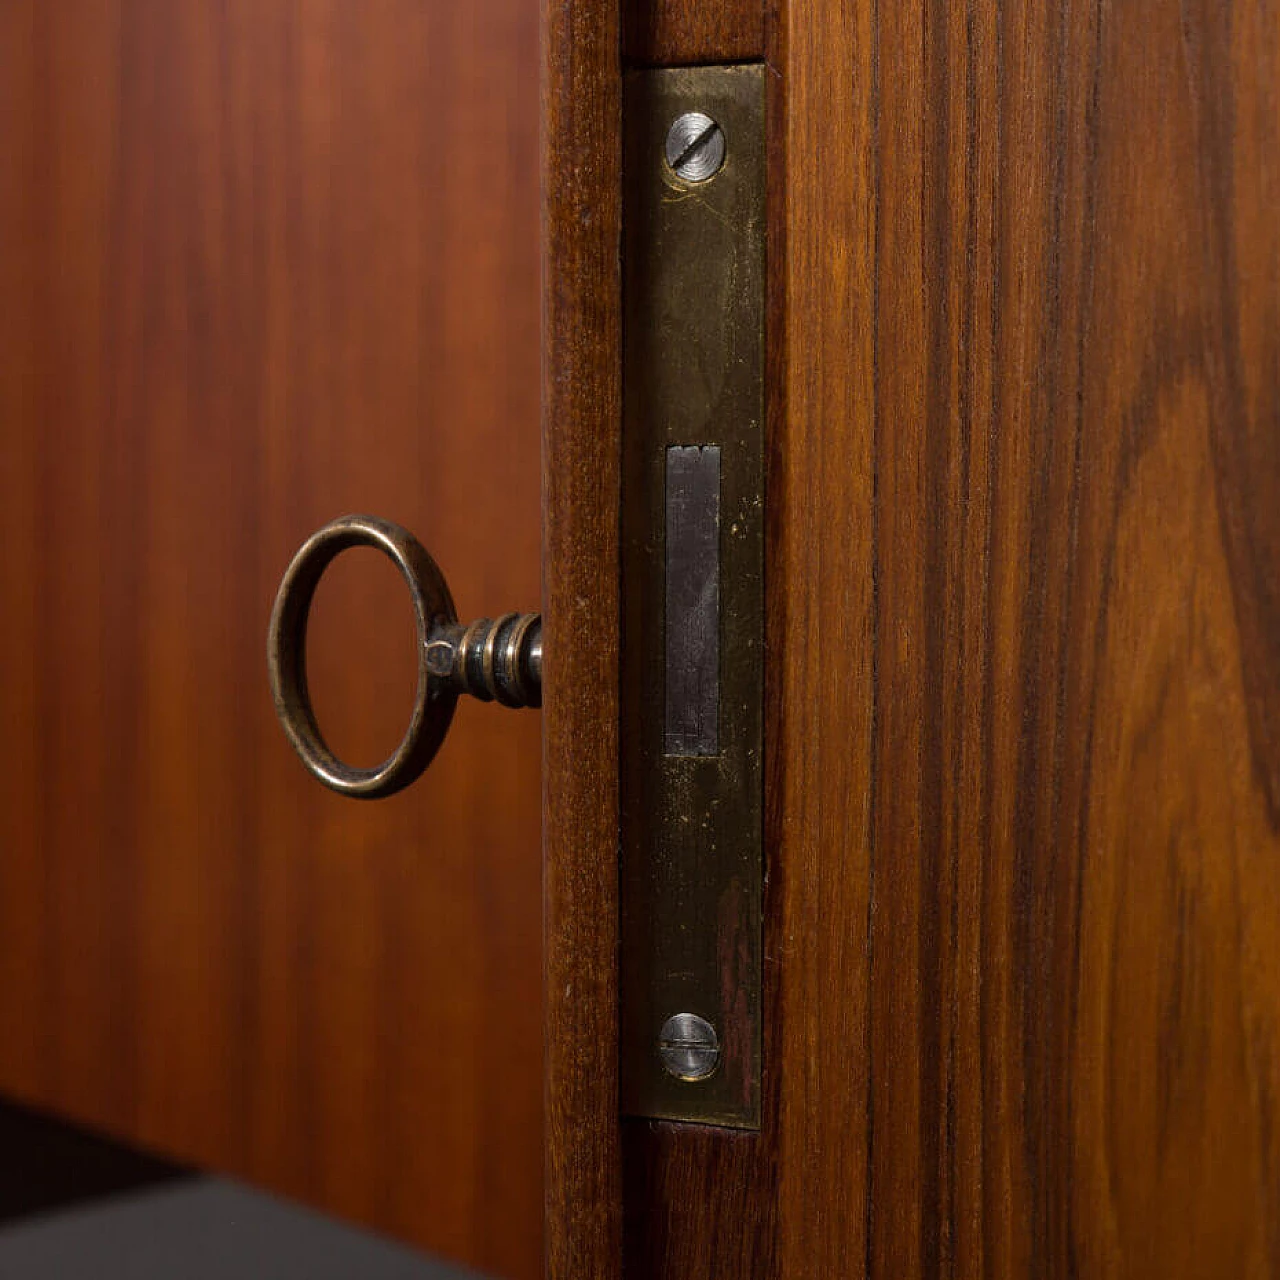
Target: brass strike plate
x,y
692,865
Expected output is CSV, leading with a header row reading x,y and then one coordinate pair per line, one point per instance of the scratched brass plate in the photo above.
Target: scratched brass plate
x,y
693,594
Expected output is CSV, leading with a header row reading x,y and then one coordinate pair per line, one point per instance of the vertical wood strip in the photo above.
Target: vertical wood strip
x,y
793,1200
581,112
821,636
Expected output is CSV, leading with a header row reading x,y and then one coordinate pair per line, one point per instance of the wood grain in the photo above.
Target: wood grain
x,y
669,33
581,423
1024,606
1077,941
264,264
793,1200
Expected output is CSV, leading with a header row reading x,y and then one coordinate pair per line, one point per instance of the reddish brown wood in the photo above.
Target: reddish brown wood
x,y
669,33
792,1201
582,414
263,264
1077,862
1022,708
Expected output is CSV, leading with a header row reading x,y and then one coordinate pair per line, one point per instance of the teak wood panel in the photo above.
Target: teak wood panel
x,y
1076,933
1024,872
266,263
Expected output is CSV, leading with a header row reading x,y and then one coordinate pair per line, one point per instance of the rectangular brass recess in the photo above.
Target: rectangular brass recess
x,y
692,865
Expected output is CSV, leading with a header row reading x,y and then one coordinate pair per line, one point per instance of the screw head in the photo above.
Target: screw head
x,y
688,1046
694,147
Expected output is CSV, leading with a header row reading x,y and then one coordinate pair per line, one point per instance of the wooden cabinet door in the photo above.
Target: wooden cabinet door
x,y
264,264
1022,939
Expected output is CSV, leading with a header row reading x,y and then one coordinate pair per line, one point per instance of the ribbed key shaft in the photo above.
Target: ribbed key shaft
x,y
493,659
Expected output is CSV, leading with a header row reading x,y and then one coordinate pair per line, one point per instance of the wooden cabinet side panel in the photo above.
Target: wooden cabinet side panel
x,y
582,420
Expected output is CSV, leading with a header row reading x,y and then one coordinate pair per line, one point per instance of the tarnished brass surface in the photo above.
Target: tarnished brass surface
x,y
491,660
693,379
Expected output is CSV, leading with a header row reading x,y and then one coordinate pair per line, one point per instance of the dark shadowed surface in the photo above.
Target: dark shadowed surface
x,y
263,264
46,1165
688,32
76,1206
205,1229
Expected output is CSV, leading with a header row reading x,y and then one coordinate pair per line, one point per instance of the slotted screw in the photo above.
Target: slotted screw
x,y
695,147
688,1046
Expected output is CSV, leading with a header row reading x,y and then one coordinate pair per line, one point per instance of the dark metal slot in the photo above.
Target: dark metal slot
x,y
692,724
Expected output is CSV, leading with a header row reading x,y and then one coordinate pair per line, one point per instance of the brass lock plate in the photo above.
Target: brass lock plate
x,y
692,864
